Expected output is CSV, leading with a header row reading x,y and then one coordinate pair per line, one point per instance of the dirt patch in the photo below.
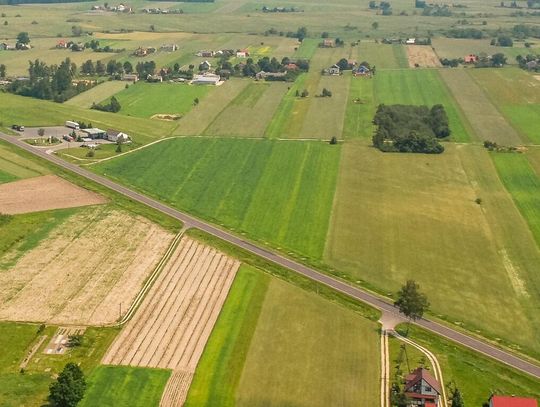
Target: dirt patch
x,y
422,56
177,388
537,77
44,193
167,117
87,271
172,326
60,340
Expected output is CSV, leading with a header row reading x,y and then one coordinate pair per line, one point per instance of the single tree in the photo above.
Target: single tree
x,y
69,387
195,101
23,38
333,140
457,400
411,302
41,132
115,105
375,25
2,71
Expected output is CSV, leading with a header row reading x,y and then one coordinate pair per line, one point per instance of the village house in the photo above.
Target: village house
x,y
291,67
410,41
333,70
362,70
154,78
242,53
62,44
511,401
327,43
422,389
130,77
118,137
532,65
470,59
205,66
169,47
205,54
144,51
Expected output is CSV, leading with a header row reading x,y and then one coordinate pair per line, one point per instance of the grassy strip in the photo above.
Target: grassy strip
x,y
219,371
520,179
119,200
125,386
476,376
286,274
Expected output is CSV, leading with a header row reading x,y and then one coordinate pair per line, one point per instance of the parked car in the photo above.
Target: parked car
x,y
67,137
17,127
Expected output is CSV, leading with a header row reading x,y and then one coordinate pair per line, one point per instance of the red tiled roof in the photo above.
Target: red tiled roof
x,y
509,401
419,396
430,405
420,374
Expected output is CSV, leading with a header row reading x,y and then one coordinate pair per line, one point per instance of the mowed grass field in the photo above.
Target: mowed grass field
x,y
360,109
274,341
33,112
147,99
14,167
523,183
400,216
249,113
516,94
382,56
420,87
485,119
97,94
274,191
125,386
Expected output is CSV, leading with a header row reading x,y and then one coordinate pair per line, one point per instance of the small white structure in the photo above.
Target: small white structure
x,y
130,77
334,70
95,133
207,79
118,137
410,41
72,125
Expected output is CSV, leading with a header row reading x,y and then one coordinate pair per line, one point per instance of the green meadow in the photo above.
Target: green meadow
x,y
273,340
13,166
97,94
147,99
382,56
234,182
420,87
125,386
360,109
415,216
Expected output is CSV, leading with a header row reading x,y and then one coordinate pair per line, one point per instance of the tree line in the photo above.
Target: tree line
x,y
414,129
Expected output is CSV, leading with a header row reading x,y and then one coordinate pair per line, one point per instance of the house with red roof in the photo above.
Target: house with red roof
x,y
511,401
422,388
470,59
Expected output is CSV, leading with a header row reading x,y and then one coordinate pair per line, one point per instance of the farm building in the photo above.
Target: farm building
x,y
130,77
118,137
327,43
410,41
470,59
62,44
95,133
263,75
206,79
511,401
333,70
205,54
205,66
169,47
242,53
422,388
362,70
154,78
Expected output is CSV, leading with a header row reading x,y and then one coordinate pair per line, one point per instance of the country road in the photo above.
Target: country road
x,y
338,285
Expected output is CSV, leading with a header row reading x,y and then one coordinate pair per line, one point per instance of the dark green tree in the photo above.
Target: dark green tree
x,y
411,302
2,71
69,387
457,400
23,38
115,105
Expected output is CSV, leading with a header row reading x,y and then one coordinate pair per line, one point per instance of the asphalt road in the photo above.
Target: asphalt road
x,y
354,292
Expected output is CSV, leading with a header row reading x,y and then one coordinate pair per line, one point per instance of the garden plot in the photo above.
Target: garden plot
x,y
422,56
89,267
59,342
44,193
176,318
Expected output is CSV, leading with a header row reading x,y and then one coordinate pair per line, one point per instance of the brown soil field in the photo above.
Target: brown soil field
x,y
44,193
423,55
89,267
172,326
177,388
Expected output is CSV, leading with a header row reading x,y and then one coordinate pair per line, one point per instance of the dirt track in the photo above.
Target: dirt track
x,y
171,328
44,193
423,55
97,260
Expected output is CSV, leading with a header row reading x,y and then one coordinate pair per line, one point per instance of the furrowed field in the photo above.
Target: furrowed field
x,y
420,87
414,216
234,183
273,341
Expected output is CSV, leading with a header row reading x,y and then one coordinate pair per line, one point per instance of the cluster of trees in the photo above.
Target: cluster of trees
x,y
503,41
522,31
94,45
2,71
52,82
272,65
415,129
437,11
300,33
530,62
465,33
495,61
68,389
452,63
113,106
384,5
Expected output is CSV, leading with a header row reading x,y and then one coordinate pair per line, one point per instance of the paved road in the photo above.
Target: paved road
x,y
354,292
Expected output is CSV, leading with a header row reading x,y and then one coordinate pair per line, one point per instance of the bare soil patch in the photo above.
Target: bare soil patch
x,y
537,77
172,326
88,268
177,388
422,56
44,193
167,117
60,340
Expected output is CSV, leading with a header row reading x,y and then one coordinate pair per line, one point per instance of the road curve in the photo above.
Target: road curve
x,y
338,285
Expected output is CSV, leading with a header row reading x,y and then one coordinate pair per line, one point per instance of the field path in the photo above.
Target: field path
x,y
374,300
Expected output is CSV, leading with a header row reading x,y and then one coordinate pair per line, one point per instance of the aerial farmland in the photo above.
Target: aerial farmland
x,y
248,203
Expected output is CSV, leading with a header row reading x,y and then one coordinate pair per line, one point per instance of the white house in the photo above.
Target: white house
x,y
117,136
410,41
207,79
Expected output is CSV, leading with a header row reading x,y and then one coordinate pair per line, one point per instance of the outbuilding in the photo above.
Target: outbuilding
x,y
118,137
95,133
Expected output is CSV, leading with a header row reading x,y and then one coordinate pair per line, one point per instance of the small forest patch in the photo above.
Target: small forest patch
x,y
410,129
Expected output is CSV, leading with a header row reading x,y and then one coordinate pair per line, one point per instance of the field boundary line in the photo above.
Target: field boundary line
x,y
32,352
385,369
150,282
433,360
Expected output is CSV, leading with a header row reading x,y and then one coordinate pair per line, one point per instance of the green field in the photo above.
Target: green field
x,y
147,99
360,109
125,386
475,375
486,121
31,387
250,112
33,112
523,183
420,87
234,182
13,166
98,93
411,216
268,344
516,94
382,56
